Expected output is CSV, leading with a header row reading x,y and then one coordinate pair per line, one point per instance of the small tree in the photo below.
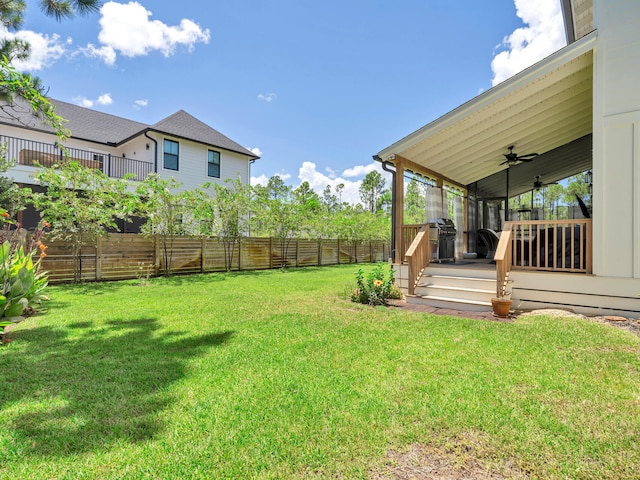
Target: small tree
x,y
277,214
371,191
81,204
414,203
223,211
163,208
309,208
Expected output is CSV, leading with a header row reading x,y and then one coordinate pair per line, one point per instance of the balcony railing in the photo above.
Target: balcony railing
x,y
32,153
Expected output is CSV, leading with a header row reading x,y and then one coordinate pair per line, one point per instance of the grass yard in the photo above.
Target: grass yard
x,y
278,375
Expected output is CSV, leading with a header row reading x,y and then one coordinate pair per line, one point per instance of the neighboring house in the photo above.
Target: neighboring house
x,y
179,146
579,109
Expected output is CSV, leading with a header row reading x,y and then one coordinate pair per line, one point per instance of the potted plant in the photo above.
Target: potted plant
x,y
501,303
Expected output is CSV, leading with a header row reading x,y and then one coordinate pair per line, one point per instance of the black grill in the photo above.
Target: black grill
x,y
443,239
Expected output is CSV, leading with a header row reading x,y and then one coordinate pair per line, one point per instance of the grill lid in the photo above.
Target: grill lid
x,y
443,223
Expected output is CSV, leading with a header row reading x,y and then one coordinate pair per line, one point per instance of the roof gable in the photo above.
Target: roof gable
x,y
181,124
98,127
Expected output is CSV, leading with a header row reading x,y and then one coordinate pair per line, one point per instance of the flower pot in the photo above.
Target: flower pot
x,y
501,307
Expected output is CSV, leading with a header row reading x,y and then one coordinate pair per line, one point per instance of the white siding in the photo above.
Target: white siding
x,y
193,164
616,151
193,158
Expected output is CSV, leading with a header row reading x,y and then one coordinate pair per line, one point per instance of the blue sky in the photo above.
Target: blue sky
x,y
316,88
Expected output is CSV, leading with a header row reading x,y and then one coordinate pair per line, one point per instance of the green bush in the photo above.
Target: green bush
x,y
21,279
377,287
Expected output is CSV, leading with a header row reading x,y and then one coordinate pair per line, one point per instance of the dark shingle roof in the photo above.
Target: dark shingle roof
x,y
94,126
181,124
88,124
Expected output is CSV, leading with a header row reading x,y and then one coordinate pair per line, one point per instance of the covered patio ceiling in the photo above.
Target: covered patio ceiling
x,y
546,109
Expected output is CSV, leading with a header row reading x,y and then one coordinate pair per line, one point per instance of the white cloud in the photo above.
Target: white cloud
x,y
351,191
138,104
361,170
542,35
331,172
261,180
256,151
105,53
267,97
45,49
126,29
318,181
105,99
83,102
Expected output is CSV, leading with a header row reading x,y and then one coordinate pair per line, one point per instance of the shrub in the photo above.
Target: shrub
x,y
375,289
21,281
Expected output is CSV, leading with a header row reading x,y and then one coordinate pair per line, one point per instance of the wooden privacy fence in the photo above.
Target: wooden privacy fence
x,y
123,256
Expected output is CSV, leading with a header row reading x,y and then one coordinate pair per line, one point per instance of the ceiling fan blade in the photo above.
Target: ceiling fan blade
x,y
528,155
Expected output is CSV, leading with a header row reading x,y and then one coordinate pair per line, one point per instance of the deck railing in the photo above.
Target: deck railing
x,y
548,245
552,245
32,153
409,233
417,257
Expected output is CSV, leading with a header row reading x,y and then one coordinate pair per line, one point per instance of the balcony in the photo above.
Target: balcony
x,y
31,153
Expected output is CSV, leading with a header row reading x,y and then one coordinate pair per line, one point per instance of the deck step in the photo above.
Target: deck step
x,y
451,303
454,277
458,289
470,282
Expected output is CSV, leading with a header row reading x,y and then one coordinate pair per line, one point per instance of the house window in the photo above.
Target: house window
x,y
170,155
213,166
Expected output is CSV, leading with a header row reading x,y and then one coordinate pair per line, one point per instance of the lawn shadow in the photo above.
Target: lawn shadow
x,y
92,388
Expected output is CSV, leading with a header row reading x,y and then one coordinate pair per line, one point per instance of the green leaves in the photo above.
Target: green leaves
x,y
21,280
377,287
82,204
15,84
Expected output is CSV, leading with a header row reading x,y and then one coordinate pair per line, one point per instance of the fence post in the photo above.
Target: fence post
x,y
99,259
297,252
270,252
239,254
338,251
319,252
203,248
156,255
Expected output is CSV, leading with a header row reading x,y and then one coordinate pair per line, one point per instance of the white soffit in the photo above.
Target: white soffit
x,y
541,108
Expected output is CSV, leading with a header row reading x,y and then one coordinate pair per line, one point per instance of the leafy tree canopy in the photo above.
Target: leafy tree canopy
x,y
16,85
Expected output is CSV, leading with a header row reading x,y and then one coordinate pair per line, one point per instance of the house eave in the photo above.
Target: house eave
x,y
485,99
482,154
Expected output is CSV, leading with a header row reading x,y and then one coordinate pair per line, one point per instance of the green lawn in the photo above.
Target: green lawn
x,y
278,375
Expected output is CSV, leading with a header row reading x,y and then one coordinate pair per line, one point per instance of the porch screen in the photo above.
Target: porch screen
x,y
458,221
434,204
